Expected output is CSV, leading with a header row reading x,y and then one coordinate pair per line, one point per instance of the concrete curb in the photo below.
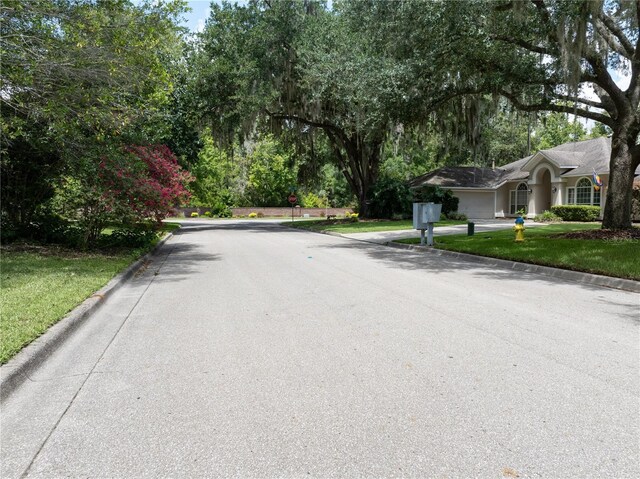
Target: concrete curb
x,y
578,276
17,370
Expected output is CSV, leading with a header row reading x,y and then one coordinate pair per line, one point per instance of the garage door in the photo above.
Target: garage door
x,y
476,204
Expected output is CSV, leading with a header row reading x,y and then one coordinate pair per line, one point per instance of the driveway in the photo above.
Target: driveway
x,y
480,226
247,349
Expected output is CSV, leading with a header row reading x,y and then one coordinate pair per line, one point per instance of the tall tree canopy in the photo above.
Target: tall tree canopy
x,y
300,67
79,80
554,55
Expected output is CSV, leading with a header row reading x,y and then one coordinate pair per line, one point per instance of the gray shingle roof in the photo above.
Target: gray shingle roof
x,y
579,158
582,156
468,177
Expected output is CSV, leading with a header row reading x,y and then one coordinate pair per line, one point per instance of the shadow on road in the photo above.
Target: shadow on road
x,y
245,226
176,262
390,257
436,264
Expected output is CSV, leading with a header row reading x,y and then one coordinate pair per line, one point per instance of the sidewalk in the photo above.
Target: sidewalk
x,y
481,226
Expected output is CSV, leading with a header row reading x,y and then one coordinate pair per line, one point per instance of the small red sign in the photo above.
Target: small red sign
x,y
293,199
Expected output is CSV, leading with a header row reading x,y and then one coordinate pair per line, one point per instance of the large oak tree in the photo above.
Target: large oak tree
x,y
300,66
543,55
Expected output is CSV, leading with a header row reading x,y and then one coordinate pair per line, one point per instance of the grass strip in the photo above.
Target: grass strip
x,y
362,226
42,284
543,246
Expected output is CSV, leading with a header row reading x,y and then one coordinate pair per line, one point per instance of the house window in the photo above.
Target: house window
x,y
518,199
583,194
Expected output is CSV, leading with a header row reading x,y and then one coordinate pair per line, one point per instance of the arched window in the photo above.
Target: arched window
x,y
519,199
584,193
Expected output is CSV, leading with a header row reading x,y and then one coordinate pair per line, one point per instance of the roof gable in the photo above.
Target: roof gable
x,y
579,158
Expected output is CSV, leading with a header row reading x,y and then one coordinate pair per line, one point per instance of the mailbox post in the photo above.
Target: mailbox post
x,y
424,215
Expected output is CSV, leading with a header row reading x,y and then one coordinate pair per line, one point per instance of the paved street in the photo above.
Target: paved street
x,y
480,226
248,349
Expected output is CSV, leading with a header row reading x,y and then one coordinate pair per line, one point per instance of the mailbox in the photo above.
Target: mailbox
x,y
425,213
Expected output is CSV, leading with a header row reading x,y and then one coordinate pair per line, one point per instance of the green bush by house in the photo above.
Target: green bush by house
x,y
576,212
547,217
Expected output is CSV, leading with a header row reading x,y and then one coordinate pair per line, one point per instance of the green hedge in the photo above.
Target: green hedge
x,y
576,212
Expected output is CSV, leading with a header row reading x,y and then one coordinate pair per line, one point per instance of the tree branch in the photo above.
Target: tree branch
x,y
315,124
542,10
599,117
638,20
617,31
595,104
524,44
603,79
504,7
344,166
601,76
634,86
625,50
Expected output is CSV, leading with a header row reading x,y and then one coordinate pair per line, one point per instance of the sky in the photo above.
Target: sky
x,y
200,10
194,20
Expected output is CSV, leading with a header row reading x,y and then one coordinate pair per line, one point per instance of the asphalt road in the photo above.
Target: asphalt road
x,y
246,349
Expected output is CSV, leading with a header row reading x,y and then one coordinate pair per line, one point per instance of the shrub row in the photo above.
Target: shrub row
x,y
391,198
49,228
576,212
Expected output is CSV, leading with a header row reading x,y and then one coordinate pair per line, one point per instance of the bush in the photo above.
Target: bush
x,y
390,197
353,217
208,214
576,212
221,210
194,214
45,227
260,214
435,194
547,217
127,238
253,215
454,215
125,187
311,200
8,231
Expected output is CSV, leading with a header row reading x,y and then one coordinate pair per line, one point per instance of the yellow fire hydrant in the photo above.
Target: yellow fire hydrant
x,y
519,229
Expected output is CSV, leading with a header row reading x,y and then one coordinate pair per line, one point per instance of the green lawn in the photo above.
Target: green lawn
x,y
363,226
41,284
619,258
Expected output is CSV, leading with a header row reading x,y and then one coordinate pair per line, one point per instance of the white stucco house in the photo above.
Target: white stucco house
x,y
557,176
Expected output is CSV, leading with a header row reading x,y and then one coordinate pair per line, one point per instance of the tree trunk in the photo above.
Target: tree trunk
x,y
360,163
367,159
363,203
617,211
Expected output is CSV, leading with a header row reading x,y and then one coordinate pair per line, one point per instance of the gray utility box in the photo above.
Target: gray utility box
x,y
425,213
